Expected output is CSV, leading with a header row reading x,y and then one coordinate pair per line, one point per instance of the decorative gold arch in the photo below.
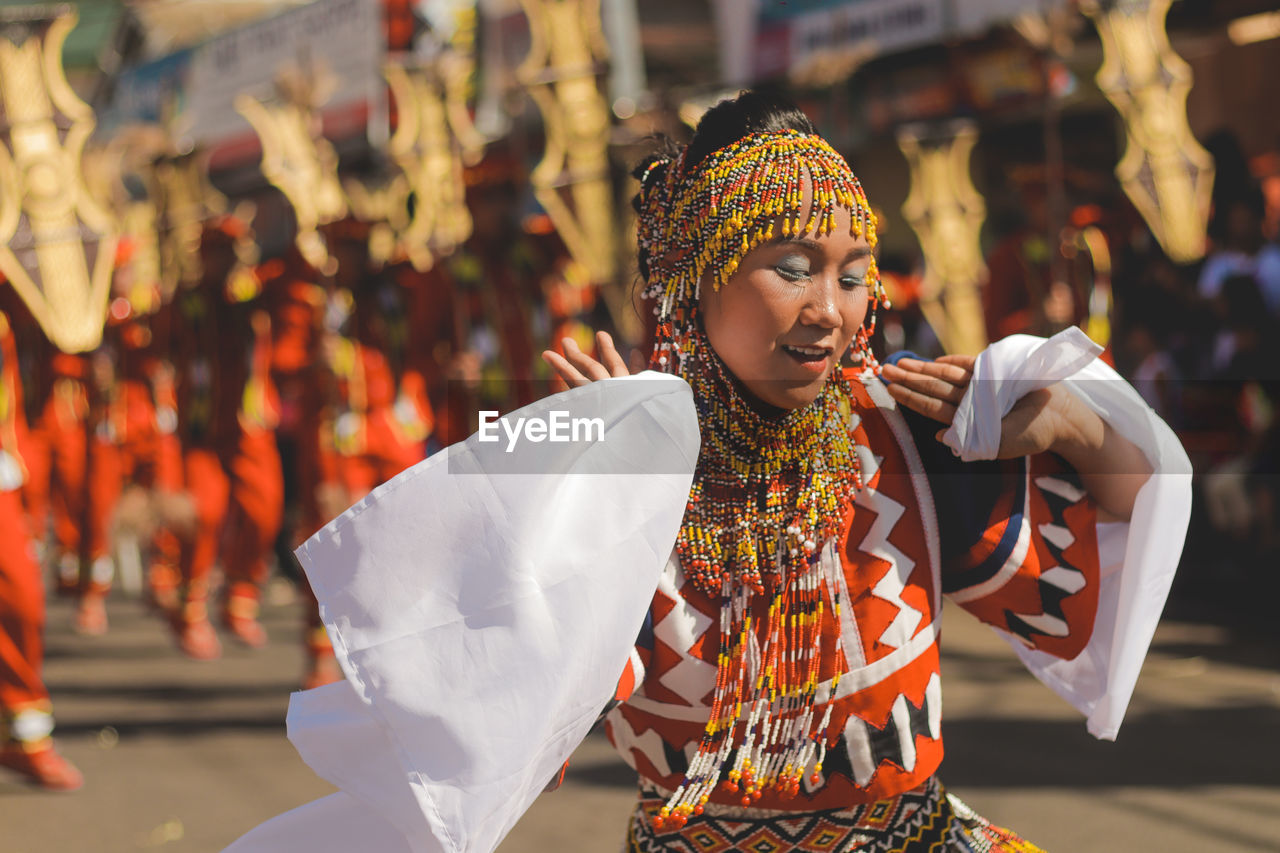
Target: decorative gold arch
x,y
572,181
58,243
434,139
1164,170
946,211
296,158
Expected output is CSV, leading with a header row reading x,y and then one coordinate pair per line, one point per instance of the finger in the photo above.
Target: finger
x,y
924,384
965,362
948,371
930,407
564,369
586,365
609,355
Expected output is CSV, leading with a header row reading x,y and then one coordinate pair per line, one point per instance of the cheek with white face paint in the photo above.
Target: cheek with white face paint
x,y
781,323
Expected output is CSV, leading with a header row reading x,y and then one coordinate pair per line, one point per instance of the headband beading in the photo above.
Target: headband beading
x,y
729,203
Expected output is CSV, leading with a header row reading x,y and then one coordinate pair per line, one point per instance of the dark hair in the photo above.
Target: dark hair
x,y
721,126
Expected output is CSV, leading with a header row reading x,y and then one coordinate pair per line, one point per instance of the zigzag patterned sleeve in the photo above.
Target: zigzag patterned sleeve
x,y
1019,543
1033,571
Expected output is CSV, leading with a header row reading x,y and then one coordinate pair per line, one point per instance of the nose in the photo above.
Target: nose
x,y
821,306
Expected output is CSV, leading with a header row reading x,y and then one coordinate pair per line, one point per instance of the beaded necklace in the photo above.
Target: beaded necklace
x,y
769,495
766,491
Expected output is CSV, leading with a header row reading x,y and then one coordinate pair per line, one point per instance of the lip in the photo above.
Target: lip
x,y
815,364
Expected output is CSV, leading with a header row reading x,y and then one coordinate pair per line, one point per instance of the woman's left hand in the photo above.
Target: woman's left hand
x,y
934,389
1111,467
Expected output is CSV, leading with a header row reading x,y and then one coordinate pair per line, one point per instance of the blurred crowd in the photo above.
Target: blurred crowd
x,y
216,428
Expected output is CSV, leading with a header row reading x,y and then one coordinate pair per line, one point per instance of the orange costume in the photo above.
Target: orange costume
x,y
383,416
72,465
25,713
297,305
143,417
1020,277
227,413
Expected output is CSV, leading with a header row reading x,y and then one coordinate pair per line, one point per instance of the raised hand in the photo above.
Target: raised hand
x,y
577,368
1111,468
1036,423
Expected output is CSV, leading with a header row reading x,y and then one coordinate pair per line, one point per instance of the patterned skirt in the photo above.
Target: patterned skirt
x,y
924,819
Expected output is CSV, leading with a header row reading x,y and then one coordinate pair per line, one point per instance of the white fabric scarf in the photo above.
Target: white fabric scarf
x,y
483,615
1100,680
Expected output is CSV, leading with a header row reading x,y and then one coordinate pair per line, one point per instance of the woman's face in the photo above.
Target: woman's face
x,y
783,320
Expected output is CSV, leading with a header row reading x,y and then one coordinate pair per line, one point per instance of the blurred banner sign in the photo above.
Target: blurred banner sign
x,y
804,39
343,37
792,37
57,245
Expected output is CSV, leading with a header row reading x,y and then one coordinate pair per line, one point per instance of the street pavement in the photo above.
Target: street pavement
x,y
185,756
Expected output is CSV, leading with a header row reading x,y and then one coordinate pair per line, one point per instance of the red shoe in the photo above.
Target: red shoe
x,y
91,616
197,639
248,631
42,766
241,618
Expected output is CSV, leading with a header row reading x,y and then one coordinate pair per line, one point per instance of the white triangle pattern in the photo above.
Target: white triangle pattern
x,y
876,542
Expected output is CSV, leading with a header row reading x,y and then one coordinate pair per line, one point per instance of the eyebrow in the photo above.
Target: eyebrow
x,y
854,255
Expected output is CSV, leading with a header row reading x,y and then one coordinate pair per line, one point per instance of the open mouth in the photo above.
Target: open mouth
x,y
809,356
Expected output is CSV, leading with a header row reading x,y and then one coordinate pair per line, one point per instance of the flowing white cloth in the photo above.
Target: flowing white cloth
x,y
1100,680
483,613
483,616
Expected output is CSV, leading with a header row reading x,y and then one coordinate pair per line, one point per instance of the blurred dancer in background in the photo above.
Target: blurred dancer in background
x,y
26,719
228,410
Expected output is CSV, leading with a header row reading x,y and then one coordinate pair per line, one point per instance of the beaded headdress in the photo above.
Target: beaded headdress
x,y
769,494
737,198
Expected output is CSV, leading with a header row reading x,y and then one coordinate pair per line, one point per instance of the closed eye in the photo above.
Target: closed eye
x,y
792,273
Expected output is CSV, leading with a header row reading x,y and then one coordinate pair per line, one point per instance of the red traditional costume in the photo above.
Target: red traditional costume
x,y
1012,542
227,409
73,465
143,417
382,417
25,711
297,304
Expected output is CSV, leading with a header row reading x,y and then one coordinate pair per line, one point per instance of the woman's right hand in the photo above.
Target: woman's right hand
x,y
577,368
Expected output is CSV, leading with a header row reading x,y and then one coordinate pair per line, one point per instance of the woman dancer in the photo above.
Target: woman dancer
x,y
784,691
791,662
